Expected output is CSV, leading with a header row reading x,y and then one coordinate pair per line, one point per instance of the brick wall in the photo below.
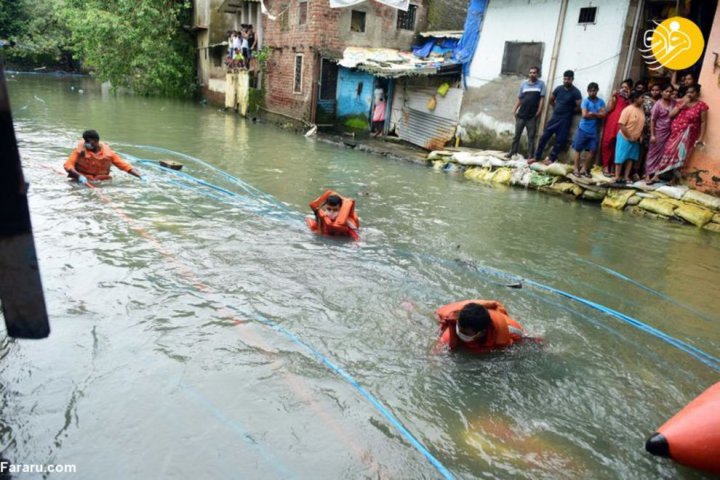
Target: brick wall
x,y
326,33
447,14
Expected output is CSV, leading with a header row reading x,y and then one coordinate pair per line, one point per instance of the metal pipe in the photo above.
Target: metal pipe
x,y
633,39
554,58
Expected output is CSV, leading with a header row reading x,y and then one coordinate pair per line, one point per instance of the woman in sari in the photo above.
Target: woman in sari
x,y
689,121
615,106
660,122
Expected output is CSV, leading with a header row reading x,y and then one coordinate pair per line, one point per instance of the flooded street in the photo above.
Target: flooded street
x,y
199,330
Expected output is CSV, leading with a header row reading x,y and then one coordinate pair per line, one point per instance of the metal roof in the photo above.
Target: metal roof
x,y
443,34
388,62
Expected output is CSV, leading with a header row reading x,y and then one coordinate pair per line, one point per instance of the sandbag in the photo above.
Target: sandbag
x,y
577,191
703,199
563,187
617,198
698,216
470,173
672,201
636,210
470,158
713,227
521,176
538,167
559,169
516,163
657,206
502,176
495,162
538,180
594,195
599,177
439,154
634,200
673,192
438,164
716,218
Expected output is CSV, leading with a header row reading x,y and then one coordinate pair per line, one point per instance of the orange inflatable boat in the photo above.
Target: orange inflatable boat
x,y
692,436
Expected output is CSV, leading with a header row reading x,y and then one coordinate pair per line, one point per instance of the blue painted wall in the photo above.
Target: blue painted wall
x,y
348,100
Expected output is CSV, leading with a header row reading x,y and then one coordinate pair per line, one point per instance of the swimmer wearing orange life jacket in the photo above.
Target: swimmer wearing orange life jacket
x,y
479,326
334,216
91,160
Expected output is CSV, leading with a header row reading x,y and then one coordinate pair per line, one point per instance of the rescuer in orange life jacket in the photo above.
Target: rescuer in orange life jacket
x,y
91,160
334,216
479,326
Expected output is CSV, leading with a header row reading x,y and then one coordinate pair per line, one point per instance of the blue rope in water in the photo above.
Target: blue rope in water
x,y
362,390
648,289
325,360
694,351
241,183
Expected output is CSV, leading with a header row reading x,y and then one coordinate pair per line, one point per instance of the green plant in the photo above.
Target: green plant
x,y
262,56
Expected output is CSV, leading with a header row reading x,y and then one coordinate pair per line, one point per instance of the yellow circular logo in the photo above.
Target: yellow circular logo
x,y
677,43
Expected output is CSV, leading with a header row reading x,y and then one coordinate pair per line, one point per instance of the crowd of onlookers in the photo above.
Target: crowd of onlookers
x,y
241,45
646,132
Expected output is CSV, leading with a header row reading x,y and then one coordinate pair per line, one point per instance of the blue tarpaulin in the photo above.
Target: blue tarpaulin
x,y
438,46
471,34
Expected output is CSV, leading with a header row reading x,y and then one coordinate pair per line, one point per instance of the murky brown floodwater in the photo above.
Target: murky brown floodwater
x,y
159,364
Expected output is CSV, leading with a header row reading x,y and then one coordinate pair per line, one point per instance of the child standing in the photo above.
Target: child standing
x,y
627,147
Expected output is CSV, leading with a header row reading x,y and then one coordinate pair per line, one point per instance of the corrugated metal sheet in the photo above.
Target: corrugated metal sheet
x,y
430,129
425,130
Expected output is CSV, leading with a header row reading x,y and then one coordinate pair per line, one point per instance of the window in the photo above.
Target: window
x,y
587,15
302,12
285,21
297,84
406,20
357,21
520,56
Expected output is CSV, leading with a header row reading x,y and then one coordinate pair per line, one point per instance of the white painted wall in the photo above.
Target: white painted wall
x,y
512,21
592,51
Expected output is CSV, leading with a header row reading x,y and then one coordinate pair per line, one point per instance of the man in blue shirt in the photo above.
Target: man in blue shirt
x,y
593,109
565,101
527,109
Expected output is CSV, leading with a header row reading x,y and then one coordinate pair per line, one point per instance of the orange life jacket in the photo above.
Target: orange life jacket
x,y
94,165
338,227
503,332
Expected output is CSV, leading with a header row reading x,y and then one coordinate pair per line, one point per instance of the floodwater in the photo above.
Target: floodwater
x,y
197,328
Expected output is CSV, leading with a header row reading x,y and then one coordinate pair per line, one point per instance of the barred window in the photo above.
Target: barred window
x,y
297,84
406,20
587,15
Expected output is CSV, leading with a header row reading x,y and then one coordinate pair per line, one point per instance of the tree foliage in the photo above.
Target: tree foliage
x,y
138,44
39,31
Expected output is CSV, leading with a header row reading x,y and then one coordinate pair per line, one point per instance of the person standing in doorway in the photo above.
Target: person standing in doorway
x,y
378,117
527,109
565,101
